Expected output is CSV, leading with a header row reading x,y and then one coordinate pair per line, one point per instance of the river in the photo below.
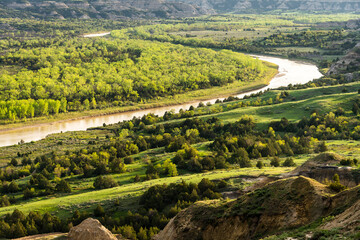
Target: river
x,y
290,72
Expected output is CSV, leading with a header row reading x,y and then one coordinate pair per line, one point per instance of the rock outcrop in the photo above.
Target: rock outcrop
x,y
109,9
323,167
346,221
280,205
90,229
265,5
118,9
349,64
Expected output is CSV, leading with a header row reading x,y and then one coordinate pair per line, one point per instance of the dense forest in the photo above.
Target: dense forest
x,y
74,75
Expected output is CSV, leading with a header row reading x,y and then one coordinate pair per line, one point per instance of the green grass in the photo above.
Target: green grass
x,y
300,103
239,32
64,205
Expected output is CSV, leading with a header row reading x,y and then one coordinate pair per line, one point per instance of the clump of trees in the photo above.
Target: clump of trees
x,y
102,182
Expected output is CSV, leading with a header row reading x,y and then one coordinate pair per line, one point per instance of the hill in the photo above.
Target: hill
x,y
120,9
263,5
113,9
280,205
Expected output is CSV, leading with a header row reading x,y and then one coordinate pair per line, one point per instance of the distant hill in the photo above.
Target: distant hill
x,y
107,9
270,5
117,9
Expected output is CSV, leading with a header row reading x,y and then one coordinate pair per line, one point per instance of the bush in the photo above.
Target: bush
x,y
102,182
99,211
349,162
275,162
260,164
14,162
336,185
289,162
63,186
128,160
321,147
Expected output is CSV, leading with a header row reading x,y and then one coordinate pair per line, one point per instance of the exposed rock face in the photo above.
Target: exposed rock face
x,y
348,64
111,9
117,9
90,229
323,167
266,5
347,221
282,204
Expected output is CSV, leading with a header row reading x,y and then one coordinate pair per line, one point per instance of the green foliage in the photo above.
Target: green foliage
x,y
102,182
289,162
321,147
259,164
275,162
349,162
336,185
160,196
79,74
99,211
63,186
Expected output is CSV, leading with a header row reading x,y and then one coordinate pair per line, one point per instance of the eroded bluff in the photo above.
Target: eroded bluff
x,y
280,205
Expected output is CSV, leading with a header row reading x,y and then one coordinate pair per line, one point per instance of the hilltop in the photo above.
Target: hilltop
x,y
120,9
113,9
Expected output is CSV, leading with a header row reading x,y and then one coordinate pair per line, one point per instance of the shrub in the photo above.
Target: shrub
x,y
289,162
63,186
259,164
275,162
102,182
99,211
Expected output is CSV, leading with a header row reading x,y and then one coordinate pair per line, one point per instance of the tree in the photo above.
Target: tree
x,y
102,182
336,185
13,187
99,211
28,193
205,184
241,157
93,103
142,234
169,168
128,232
275,162
63,186
18,230
14,162
4,201
321,147
43,182
355,109
259,164
289,162
137,178
63,105
86,104
17,215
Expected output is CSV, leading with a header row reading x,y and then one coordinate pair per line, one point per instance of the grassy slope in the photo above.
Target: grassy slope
x,y
84,196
